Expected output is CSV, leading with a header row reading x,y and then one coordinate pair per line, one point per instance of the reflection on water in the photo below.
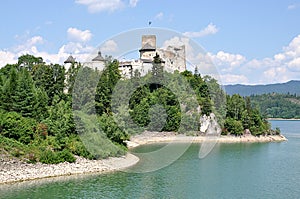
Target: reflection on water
x,y
258,170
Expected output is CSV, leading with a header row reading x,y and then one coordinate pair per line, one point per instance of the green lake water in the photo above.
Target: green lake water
x,y
258,170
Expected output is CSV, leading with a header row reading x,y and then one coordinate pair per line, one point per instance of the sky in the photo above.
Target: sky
x,y
249,42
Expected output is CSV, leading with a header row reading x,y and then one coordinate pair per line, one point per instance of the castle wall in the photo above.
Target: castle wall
x,y
149,39
147,55
99,65
174,58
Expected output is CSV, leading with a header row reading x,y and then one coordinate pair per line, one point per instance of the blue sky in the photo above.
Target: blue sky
x,y
250,42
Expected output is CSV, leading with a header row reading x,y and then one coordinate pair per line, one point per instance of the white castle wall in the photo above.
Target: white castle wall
x,y
173,56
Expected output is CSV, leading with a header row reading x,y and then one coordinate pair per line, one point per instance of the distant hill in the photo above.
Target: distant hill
x,y
276,105
292,87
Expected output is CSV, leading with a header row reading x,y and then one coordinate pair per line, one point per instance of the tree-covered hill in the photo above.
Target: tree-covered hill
x,y
274,105
291,87
49,114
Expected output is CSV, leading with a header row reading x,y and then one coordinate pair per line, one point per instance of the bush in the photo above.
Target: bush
x,y
65,156
19,128
51,157
48,157
277,131
111,129
233,126
75,146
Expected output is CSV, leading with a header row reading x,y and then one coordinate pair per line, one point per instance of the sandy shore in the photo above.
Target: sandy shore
x,y
13,170
154,137
292,119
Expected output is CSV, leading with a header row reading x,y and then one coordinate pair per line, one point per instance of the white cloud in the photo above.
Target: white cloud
x,y
78,48
293,49
208,30
36,40
276,74
159,16
294,65
75,48
133,3
109,46
75,34
281,67
7,58
279,57
103,5
176,41
234,79
30,44
228,61
95,6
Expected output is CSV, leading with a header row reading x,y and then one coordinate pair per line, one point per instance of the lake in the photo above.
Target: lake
x,y
244,170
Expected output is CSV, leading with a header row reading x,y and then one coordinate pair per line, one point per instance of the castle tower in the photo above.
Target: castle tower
x,y
148,50
99,57
69,61
97,62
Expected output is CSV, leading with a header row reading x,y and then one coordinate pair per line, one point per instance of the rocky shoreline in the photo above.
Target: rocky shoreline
x,y
14,170
157,137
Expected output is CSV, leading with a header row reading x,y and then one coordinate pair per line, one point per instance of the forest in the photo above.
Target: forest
x,y
275,105
49,113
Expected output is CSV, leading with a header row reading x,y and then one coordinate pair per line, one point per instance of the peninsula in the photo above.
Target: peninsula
x,y
50,114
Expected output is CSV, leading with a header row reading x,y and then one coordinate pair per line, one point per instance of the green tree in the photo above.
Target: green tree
x,y
50,78
6,70
83,94
136,75
218,98
41,104
60,121
109,78
29,61
274,105
9,91
58,79
42,76
1,91
17,127
233,126
157,67
112,130
259,124
235,106
25,98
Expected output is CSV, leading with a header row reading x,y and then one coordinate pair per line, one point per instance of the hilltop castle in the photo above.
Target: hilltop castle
x,y
173,58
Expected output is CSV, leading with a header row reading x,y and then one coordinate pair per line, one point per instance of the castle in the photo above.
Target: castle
x,y
173,58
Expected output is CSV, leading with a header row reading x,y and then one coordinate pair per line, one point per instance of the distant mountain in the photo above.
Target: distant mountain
x,y
292,87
